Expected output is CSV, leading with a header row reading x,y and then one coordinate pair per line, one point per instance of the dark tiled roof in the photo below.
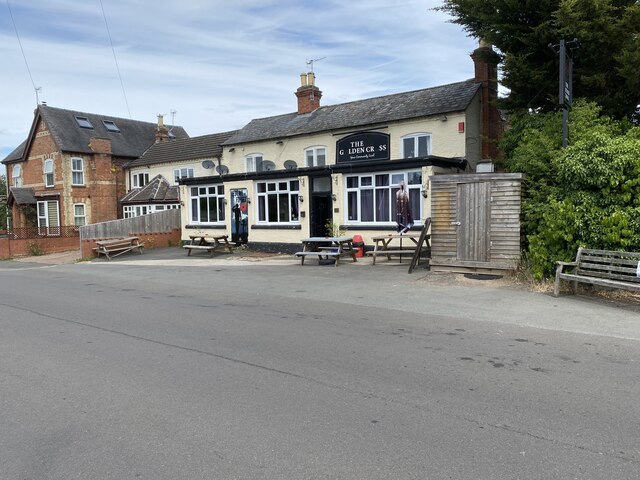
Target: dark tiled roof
x,y
454,97
16,155
158,190
21,196
133,139
205,146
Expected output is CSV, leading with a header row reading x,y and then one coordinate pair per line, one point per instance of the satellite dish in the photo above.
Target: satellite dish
x,y
268,165
222,169
207,164
290,165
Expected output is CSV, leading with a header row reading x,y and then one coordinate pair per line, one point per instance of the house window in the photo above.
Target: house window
x,y
253,162
315,156
185,172
207,204
48,218
16,176
416,145
372,198
140,179
79,214
77,171
48,172
83,122
111,126
278,202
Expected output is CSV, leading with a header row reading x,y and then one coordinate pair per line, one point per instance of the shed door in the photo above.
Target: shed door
x,y
474,213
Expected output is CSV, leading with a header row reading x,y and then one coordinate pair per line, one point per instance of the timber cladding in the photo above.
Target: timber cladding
x,y
475,222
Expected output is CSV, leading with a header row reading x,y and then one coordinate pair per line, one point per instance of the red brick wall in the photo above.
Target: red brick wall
x,y
20,248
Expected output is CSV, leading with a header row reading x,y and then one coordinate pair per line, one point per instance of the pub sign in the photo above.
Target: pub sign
x,y
363,146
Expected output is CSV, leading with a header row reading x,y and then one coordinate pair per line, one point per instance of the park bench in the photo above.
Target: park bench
x,y
118,246
607,268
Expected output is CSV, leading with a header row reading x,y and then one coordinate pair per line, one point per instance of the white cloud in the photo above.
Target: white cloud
x,y
218,63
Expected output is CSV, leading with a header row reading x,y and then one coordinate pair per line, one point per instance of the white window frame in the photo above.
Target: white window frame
x,y
130,211
353,196
270,213
79,220
77,172
46,224
16,175
211,196
182,172
312,156
252,161
135,179
416,139
48,175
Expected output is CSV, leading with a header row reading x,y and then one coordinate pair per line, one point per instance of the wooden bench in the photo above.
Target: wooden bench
x,y
327,247
118,246
208,243
607,268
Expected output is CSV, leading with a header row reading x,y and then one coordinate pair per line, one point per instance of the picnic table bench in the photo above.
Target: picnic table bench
x,y
327,247
117,246
208,243
607,268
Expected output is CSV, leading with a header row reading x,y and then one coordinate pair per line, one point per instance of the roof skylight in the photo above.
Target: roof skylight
x,y
83,122
111,126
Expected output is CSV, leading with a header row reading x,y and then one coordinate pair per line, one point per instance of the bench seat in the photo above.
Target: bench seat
x,y
208,248
606,268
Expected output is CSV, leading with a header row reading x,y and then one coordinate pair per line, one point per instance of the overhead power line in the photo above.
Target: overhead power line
x,y
115,59
15,28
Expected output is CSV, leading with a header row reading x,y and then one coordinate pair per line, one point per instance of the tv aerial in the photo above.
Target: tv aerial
x,y
312,61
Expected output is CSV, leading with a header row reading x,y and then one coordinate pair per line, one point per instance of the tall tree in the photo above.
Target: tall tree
x,y
606,64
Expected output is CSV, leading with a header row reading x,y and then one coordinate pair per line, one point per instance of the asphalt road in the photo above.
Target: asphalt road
x,y
193,368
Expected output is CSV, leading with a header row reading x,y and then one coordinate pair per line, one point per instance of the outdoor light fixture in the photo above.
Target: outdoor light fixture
x,y
333,197
301,198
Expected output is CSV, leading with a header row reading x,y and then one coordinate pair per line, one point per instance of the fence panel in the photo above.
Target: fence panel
x,y
152,223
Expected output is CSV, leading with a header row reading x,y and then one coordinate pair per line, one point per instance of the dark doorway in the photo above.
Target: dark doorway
x,y
321,205
320,214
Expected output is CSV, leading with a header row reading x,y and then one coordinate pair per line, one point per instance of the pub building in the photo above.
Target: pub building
x,y
284,178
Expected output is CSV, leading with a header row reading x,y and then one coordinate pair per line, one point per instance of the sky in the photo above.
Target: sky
x,y
216,64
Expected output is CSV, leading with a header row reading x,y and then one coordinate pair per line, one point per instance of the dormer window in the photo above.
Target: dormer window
x,y
83,122
111,126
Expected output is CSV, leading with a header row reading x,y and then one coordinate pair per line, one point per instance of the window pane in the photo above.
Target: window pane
x,y
294,185
204,209
282,186
352,205
283,206
396,178
415,201
366,206
220,189
194,192
294,208
272,202
321,155
382,205
262,211
382,180
271,187
409,147
262,188
366,182
309,158
212,190
422,146
352,182
414,178
220,205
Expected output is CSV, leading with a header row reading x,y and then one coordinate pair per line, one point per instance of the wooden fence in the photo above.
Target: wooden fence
x,y
159,222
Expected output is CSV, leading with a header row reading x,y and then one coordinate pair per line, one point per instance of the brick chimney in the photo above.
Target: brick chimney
x,y
485,61
308,94
162,133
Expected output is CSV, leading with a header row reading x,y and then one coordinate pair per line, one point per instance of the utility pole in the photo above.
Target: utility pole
x,y
565,92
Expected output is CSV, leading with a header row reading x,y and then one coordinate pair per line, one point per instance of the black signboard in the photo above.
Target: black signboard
x,y
363,147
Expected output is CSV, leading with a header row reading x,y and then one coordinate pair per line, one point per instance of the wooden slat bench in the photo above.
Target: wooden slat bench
x,y
607,268
208,243
118,246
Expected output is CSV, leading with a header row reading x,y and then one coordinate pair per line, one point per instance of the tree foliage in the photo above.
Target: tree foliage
x,y
606,64
587,194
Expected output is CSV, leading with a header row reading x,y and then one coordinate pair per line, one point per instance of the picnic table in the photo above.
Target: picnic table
x,y
324,248
208,243
383,245
117,246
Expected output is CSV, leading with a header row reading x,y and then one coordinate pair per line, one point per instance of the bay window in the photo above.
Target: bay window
x,y
207,204
371,198
278,201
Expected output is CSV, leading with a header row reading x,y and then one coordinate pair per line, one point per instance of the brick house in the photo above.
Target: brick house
x,y
69,171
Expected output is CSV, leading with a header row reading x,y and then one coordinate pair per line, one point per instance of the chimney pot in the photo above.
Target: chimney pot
x,y
303,79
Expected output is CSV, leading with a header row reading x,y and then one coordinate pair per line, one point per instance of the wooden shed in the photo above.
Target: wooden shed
x,y
475,222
